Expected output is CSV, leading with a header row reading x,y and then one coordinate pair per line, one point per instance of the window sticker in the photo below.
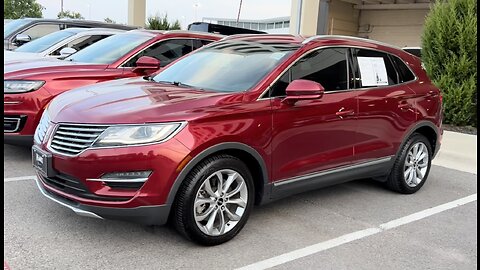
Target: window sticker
x,y
372,71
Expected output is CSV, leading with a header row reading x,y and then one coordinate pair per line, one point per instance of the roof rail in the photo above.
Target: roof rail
x,y
312,38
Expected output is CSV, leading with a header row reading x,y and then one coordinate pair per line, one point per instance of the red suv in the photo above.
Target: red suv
x,y
243,121
29,86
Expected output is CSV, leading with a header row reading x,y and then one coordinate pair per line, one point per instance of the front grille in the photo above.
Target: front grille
x,y
72,139
13,123
73,186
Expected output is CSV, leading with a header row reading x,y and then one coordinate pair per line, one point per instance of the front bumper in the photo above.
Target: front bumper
x,y
148,215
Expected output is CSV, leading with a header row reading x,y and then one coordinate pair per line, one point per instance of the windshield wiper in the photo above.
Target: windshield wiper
x,y
180,84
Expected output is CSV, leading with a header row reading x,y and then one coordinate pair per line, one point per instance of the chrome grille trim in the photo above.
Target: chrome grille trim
x,y
72,139
42,128
15,121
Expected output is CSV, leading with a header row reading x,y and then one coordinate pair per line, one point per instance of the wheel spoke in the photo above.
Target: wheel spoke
x,y
222,222
422,156
423,165
220,183
415,150
407,172
208,188
200,201
414,179
228,183
419,174
419,152
211,220
231,216
205,214
236,190
240,202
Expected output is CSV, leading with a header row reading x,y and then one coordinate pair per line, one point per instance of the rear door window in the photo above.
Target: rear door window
x,y
375,69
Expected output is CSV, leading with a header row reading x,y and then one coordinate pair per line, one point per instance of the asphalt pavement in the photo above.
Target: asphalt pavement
x,y
340,227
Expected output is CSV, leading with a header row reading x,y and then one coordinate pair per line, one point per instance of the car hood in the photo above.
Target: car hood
x,y
22,69
134,101
13,57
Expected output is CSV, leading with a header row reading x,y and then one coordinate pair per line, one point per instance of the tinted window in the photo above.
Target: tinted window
x,y
165,51
41,30
327,66
403,71
13,26
110,49
375,69
226,66
80,43
45,42
198,43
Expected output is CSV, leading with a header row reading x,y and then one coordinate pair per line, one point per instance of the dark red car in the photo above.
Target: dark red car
x,y
243,121
29,86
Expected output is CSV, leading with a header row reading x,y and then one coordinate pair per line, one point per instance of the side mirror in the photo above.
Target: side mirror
x,y
67,51
21,39
146,64
303,90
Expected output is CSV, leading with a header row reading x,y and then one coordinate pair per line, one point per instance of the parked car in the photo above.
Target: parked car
x,y
417,51
221,29
59,44
21,31
243,121
29,86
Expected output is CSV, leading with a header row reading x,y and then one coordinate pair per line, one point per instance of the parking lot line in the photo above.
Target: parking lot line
x,y
346,238
21,178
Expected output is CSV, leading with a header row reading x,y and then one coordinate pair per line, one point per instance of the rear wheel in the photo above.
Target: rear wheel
x,y
214,202
412,166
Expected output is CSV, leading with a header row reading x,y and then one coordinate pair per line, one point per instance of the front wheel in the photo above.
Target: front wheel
x,y
214,202
412,166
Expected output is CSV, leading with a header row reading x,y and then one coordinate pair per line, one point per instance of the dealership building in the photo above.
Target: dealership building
x,y
398,22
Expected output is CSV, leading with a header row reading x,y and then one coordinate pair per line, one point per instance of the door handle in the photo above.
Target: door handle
x,y
341,113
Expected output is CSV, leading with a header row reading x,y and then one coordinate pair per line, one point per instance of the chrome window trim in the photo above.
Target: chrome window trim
x,y
50,139
333,170
337,91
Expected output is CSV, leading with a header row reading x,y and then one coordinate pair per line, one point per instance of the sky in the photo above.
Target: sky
x,y
186,11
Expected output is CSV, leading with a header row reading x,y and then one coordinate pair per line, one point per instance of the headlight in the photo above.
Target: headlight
x,y
139,134
14,87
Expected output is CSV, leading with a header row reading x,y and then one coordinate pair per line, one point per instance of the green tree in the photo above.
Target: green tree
x,y
161,23
449,53
108,20
15,9
70,14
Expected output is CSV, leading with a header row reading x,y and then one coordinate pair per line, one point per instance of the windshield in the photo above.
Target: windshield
x,y
226,66
12,26
45,42
109,50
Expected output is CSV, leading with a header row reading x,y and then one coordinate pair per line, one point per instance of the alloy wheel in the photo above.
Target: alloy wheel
x,y
416,164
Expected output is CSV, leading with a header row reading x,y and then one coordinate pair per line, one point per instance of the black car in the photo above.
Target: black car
x,y
18,32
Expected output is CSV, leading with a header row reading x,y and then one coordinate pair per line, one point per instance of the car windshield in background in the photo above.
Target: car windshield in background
x,y
12,26
45,42
226,66
109,50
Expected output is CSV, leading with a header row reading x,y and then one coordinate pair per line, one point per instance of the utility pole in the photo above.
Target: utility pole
x,y
239,9
61,6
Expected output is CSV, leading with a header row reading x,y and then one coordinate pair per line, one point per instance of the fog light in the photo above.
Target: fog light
x,y
138,176
124,180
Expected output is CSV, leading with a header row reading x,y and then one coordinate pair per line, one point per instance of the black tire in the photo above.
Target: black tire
x,y
184,220
396,180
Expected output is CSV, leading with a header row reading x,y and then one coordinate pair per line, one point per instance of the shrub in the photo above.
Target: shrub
x,y
449,53
161,23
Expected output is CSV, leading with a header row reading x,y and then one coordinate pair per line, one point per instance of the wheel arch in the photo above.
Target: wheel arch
x,y
427,129
247,154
